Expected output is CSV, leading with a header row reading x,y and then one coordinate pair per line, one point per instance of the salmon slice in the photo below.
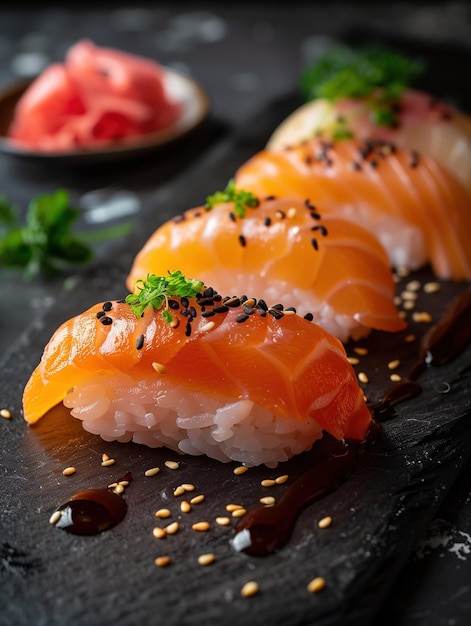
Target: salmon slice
x,y
424,123
284,249
226,349
416,208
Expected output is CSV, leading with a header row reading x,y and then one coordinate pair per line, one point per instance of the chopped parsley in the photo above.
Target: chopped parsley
x,y
45,243
242,200
372,73
154,292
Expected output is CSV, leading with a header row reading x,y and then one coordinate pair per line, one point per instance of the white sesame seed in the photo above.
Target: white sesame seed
x,y
280,480
5,413
197,499
68,471
316,584
201,526
268,482
233,507
325,522
360,351
55,517
172,528
267,500
206,559
249,589
163,513
185,506
161,369
162,561
362,377
119,489
422,316
353,360
239,512
431,287
223,521
173,465
179,491
393,365
108,462
159,533
395,378
152,471
413,285
241,469
188,486
208,326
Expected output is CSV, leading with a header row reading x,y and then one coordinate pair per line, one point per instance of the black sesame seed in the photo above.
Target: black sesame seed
x,y
139,342
267,221
232,302
321,229
314,243
249,310
276,314
262,305
356,166
188,329
173,304
208,313
107,306
192,311
106,321
232,216
100,314
278,307
221,308
242,241
270,198
208,292
315,216
309,317
291,308
184,302
242,318
374,163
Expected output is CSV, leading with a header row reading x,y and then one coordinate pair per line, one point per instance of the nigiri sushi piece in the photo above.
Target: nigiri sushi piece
x,y
177,365
364,94
416,208
282,249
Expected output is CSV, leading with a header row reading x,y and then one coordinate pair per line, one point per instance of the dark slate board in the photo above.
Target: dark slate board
x,y
50,577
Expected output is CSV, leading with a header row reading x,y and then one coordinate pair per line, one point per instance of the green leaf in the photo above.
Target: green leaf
x,y
242,200
154,292
45,243
372,72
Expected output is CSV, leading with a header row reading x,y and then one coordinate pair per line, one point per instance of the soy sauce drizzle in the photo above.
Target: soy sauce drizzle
x,y
92,511
265,529
442,343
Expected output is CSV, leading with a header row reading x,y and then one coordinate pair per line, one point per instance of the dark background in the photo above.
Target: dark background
x,y
248,57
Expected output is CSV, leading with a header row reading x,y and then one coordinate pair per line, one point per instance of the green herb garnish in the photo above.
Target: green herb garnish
x,y
242,200
372,73
45,243
155,291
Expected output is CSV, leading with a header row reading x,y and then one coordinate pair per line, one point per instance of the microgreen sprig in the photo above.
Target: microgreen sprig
x,y
242,200
154,292
45,243
372,73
